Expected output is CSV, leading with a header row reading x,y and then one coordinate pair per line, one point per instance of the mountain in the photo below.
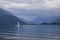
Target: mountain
x,y
43,15
8,19
54,22
40,20
57,20
27,22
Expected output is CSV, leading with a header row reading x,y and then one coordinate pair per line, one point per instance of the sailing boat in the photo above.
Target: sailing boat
x,y
18,24
18,27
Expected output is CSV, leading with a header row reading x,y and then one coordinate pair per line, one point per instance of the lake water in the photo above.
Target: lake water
x,y
30,32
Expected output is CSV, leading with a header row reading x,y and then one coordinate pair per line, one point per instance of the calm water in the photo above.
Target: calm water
x,y
30,32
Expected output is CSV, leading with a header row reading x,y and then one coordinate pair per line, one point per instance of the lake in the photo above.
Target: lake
x,y
30,32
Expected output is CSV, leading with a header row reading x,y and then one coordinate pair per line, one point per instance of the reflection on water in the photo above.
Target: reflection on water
x,y
30,32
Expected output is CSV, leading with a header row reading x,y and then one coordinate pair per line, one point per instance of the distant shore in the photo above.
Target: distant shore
x,y
50,23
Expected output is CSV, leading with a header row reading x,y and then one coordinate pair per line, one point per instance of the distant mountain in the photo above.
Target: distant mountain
x,y
57,20
39,20
44,20
54,22
8,19
48,16
27,22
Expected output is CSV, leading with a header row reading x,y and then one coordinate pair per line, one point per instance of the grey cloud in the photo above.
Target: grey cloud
x,y
33,4
33,8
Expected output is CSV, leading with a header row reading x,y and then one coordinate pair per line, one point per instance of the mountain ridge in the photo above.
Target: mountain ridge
x,y
8,19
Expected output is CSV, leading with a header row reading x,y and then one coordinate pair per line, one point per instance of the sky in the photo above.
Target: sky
x,y
31,9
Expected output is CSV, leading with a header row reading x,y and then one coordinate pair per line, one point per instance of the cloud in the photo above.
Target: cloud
x,y
30,4
17,5
29,18
34,7
46,4
7,4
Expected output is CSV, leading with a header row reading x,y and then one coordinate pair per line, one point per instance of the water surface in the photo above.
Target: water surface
x,y
30,32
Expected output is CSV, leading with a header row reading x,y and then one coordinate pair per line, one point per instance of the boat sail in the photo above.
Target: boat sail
x,y
18,27
18,24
